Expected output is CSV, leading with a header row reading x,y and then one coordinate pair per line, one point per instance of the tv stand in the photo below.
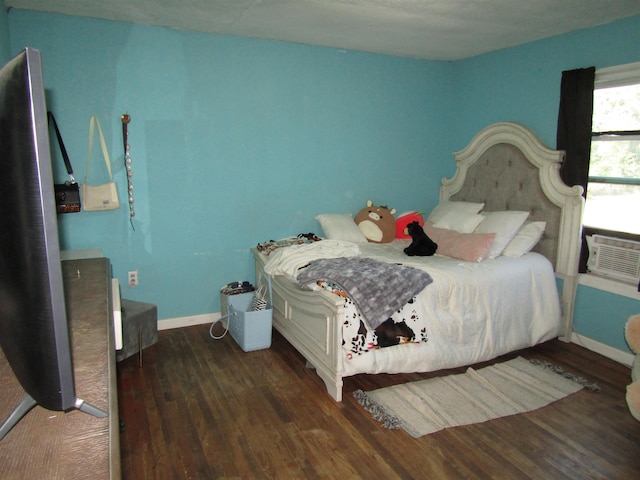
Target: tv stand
x,y
89,409
49,444
27,403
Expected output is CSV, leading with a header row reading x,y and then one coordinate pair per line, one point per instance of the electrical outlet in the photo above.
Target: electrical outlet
x,y
133,278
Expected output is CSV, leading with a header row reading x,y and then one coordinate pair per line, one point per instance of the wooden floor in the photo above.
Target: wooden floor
x,y
203,409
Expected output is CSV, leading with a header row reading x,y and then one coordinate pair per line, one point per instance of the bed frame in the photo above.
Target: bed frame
x,y
506,167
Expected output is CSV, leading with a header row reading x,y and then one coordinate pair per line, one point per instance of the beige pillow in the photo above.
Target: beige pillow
x,y
448,206
504,224
459,221
526,238
340,226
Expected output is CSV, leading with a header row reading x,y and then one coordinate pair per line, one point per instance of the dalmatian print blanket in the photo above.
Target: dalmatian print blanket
x,y
404,326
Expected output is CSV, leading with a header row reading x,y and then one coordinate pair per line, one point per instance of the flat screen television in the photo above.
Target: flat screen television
x,y
34,330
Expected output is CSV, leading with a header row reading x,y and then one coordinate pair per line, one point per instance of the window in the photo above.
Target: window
x,y
613,193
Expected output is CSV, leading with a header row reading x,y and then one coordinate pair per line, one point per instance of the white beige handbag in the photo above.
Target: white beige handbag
x,y
96,198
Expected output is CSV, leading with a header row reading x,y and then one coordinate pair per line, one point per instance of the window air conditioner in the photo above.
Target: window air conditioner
x,y
615,257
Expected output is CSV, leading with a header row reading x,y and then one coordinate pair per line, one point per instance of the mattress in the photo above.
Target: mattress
x,y
470,312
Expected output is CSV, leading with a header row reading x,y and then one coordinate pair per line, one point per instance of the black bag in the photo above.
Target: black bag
x,y
67,193
67,197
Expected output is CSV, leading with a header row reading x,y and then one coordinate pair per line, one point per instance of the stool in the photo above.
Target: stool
x,y
139,328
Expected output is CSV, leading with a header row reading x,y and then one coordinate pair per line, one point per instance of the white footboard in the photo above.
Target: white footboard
x,y
310,321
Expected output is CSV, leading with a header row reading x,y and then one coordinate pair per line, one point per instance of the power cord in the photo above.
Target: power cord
x,y
226,328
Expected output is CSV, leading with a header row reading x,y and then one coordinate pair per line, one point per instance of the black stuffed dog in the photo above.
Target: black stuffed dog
x,y
421,245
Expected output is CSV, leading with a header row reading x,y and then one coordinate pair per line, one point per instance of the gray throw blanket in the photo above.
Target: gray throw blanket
x,y
377,288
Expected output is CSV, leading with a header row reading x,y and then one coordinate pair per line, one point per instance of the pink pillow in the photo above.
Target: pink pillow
x,y
472,247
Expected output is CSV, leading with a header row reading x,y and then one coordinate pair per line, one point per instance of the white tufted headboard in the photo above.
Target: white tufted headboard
x,y
507,167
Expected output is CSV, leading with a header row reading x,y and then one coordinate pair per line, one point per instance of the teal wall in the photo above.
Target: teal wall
x,y
602,316
522,84
236,141
4,34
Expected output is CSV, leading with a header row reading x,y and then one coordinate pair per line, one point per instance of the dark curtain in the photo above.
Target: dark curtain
x,y
574,132
574,124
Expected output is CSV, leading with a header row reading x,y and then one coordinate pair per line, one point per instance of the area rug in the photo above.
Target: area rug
x,y
503,389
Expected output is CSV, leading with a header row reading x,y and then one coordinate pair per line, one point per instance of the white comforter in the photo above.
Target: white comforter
x,y
287,261
473,311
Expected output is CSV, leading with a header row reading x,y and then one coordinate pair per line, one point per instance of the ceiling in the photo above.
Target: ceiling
x,y
428,29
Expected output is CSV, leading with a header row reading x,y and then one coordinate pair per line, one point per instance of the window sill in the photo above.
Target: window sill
x,y
609,285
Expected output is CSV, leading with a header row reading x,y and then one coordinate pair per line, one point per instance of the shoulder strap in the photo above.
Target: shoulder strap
x,y
63,150
105,153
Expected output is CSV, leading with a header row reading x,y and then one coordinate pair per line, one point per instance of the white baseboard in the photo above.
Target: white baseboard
x,y
181,322
619,356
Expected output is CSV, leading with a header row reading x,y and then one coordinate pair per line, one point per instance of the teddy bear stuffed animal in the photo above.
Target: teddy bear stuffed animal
x,y
421,244
376,223
632,334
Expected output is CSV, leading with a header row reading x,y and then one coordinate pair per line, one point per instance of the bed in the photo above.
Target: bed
x,y
470,311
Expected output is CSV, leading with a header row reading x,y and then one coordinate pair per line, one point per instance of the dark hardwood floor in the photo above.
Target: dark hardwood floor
x,y
203,409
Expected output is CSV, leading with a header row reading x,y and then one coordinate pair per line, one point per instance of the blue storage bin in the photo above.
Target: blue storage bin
x,y
251,329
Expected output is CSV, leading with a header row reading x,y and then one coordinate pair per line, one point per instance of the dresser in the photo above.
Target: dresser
x,y
73,445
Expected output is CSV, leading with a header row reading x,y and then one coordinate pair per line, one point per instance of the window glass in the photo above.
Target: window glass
x,y
613,193
619,158
616,108
613,207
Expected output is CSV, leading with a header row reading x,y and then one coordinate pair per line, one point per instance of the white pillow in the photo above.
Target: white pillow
x,y
526,238
340,226
448,206
504,224
459,221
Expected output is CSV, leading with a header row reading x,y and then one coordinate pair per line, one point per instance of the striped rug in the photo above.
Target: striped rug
x,y
503,389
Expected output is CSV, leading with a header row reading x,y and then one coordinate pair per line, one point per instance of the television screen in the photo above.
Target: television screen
x,y
34,332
